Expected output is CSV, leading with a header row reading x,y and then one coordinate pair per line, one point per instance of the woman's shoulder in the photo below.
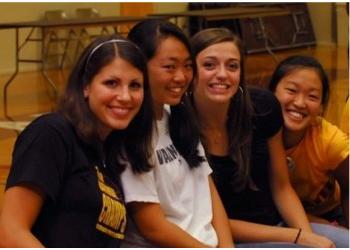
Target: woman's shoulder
x,y
50,118
324,128
50,123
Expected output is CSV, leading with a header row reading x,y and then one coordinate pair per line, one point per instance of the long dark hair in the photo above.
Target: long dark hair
x,y
301,62
182,126
135,140
240,113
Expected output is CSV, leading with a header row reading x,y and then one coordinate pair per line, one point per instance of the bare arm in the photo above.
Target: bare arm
x,y
154,226
21,207
286,200
253,232
220,219
342,176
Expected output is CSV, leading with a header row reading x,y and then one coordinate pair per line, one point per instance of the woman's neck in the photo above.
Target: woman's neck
x,y
211,115
103,132
291,138
158,108
212,118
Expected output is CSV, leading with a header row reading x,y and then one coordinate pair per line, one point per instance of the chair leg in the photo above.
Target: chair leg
x,y
71,36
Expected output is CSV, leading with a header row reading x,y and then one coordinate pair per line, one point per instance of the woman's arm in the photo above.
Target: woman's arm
x,y
21,207
220,220
342,176
154,226
285,198
253,232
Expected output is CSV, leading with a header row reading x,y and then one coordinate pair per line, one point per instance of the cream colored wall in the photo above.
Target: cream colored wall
x,y
342,19
321,17
169,7
320,13
323,22
17,12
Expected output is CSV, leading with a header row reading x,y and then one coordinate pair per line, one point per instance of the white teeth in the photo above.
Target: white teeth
x,y
219,86
296,115
120,111
176,90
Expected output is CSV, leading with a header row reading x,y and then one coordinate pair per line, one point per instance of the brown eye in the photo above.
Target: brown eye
x,y
209,65
314,97
290,90
233,66
189,66
110,83
136,85
170,67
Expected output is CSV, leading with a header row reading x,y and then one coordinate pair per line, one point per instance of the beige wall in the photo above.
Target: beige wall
x,y
321,15
342,24
169,7
16,12
330,22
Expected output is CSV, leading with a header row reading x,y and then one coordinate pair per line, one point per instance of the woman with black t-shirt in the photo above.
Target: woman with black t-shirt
x,y
63,189
241,133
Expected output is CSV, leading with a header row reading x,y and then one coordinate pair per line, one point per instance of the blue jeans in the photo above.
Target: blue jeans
x,y
340,236
268,245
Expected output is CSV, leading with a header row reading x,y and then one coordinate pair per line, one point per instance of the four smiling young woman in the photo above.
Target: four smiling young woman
x,y
130,129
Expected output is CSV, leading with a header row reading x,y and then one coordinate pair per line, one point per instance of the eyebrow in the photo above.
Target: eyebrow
x,y
215,58
175,59
318,90
296,83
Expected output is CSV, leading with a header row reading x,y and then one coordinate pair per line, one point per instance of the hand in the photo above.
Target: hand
x,y
311,239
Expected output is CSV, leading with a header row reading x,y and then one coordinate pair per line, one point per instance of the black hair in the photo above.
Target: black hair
x,y
299,62
239,123
135,140
182,126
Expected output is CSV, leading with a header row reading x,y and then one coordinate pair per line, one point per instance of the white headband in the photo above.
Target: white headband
x,y
107,42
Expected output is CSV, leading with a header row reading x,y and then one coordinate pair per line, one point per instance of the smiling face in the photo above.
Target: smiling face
x,y
115,95
300,95
170,72
218,72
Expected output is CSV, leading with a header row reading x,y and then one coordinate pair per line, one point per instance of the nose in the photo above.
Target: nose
x,y
299,101
180,75
123,94
221,73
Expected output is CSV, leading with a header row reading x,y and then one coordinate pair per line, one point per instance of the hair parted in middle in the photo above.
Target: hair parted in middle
x,y
240,113
148,34
137,137
295,62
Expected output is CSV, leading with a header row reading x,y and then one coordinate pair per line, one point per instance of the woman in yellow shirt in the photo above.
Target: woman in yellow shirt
x,y
317,151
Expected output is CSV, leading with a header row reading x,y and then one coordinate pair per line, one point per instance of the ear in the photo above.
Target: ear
x,y
87,91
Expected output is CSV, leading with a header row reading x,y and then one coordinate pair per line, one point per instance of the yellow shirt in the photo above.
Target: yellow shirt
x,y
344,123
322,149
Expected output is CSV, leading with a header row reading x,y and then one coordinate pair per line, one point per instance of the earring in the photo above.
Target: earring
x,y
241,89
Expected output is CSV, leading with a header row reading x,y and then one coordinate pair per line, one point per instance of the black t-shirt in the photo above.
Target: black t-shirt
x,y
83,204
255,205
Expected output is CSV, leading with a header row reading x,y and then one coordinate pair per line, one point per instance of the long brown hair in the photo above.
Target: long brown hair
x,y
182,126
136,139
239,122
